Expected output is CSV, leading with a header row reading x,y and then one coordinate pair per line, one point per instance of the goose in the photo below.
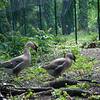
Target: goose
x,y
17,64
56,67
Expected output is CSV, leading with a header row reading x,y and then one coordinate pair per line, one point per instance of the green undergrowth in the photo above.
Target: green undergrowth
x,y
50,47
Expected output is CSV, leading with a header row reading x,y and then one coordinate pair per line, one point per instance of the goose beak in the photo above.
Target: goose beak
x,y
74,59
36,49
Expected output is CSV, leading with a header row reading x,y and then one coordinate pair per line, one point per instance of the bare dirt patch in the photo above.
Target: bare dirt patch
x,y
94,53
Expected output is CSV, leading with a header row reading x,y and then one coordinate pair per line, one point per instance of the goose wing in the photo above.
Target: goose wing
x,y
55,63
12,63
19,67
60,68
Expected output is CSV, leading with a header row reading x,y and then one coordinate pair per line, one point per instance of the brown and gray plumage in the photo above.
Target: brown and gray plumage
x,y
56,67
19,63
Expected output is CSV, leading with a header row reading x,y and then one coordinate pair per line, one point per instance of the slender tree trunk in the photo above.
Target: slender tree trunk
x,y
48,13
83,15
67,17
4,24
15,12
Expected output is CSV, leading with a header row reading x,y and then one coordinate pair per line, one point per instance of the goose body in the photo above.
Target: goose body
x,y
56,67
19,63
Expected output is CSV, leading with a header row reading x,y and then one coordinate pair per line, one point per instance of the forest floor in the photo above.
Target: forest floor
x,y
94,53
95,75
87,65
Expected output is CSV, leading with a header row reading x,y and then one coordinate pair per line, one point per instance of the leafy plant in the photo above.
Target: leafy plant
x,y
93,97
60,95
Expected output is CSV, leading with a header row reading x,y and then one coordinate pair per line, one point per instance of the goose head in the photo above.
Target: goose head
x,y
32,45
71,56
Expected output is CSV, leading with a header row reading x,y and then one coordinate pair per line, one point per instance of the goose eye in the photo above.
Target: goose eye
x,y
34,47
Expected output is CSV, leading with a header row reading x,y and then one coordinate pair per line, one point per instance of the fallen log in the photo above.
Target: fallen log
x,y
13,91
63,82
77,92
71,92
35,89
88,80
60,83
42,91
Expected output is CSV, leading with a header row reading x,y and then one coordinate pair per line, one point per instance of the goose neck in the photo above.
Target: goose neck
x,y
26,51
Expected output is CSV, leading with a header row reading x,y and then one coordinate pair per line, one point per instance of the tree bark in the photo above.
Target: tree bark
x,y
48,13
83,15
67,20
4,24
14,91
60,83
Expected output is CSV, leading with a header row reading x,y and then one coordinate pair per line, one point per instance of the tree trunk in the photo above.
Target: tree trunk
x,y
67,17
15,12
83,15
4,24
48,13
